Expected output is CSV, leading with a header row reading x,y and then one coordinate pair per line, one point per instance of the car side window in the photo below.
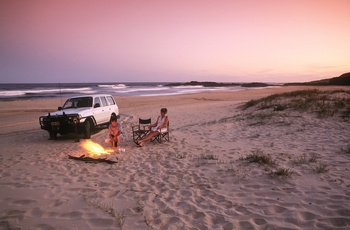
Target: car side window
x,y
84,102
97,100
68,104
110,100
104,101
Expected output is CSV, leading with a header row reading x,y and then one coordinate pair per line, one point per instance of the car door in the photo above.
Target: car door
x,y
106,113
113,108
98,111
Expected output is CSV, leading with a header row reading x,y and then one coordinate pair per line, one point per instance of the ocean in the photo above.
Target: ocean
x,y
9,92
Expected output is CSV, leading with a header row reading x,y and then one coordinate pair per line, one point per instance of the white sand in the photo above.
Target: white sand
x,y
173,185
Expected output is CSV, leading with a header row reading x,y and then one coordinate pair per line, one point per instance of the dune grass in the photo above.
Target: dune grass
x,y
346,149
264,159
321,168
322,103
259,157
304,160
282,172
208,157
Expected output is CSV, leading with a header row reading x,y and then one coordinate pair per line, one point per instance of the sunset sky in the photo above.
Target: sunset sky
x,y
173,41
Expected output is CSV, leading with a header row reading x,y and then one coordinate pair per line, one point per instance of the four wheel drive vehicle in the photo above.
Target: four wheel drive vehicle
x,y
80,115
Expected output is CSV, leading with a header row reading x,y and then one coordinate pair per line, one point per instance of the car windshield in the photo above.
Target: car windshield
x,y
78,102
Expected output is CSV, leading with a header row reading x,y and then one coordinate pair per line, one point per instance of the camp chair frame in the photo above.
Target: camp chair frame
x,y
163,136
141,130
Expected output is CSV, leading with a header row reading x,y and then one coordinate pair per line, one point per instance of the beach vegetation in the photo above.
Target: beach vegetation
x,y
120,219
259,118
139,207
204,158
256,135
322,103
304,160
180,156
321,168
300,160
279,107
282,172
300,130
313,158
346,113
147,221
231,169
259,157
346,149
208,157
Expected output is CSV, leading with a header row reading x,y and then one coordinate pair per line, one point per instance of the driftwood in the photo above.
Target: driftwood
x,y
91,160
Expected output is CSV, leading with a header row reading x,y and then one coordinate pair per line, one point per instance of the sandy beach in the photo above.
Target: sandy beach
x,y
201,179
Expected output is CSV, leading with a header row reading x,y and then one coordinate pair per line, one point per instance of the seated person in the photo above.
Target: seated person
x,y
156,128
114,132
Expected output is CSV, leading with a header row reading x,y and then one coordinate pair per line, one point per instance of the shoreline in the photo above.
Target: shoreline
x,y
53,103
18,116
12,113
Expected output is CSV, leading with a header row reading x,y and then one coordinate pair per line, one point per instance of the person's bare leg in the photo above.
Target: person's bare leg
x,y
147,138
118,140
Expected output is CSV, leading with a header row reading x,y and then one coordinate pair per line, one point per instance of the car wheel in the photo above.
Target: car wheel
x,y
87,129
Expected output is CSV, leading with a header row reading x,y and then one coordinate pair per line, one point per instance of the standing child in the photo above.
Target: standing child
x,y
114,132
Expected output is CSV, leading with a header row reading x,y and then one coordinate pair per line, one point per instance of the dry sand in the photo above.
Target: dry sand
x,y
198,180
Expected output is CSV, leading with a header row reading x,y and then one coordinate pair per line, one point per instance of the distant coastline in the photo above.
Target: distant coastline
x,y
220,84
343,79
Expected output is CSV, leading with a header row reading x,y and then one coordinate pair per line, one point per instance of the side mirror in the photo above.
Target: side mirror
x,y
59,108
97,105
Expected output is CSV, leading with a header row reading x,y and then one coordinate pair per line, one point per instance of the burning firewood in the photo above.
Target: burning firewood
x,y
91,160
95,150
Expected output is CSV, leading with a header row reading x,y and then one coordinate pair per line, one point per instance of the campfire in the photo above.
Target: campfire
x,y
93,152
94,149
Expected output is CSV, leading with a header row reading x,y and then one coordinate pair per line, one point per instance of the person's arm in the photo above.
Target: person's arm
x,y
119,129
110,131
155,124
164,125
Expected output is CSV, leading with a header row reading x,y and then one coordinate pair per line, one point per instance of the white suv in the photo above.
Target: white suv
x,y
80,115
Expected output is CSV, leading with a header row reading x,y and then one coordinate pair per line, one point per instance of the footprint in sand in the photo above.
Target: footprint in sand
x,y
24,202
35,212
57,202
274,209
71,215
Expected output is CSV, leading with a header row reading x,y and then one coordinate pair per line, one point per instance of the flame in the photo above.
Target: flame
x,y
94,149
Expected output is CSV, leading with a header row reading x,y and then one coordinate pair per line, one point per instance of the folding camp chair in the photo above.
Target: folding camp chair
x,y
141,130
163,135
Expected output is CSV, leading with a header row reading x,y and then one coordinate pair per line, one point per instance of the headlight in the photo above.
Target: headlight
x,y
43,120
73,119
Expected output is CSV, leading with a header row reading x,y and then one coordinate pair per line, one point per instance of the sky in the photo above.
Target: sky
x,y
173,41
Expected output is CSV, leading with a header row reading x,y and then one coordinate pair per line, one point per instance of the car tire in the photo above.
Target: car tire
x,y
87,129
